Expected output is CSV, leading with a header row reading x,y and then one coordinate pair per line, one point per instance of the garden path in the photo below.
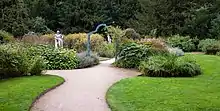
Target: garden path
x,y
84,89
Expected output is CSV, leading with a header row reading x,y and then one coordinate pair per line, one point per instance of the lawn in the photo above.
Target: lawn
x,y
201,93
17,94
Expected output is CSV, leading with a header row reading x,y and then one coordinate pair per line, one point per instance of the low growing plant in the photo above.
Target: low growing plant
x,y
56,59
209,46
131,55
87,61
15,62
107,50
169,66
183,42
5,37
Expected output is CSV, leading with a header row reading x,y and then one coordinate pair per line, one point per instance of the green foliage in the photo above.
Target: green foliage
x,y
55,58
38,25
37,66
176,51
184,43
107,50
169,66
131,34
131,55
158,18
96,42
15,62
79,41
75,41
14,17
200,93
209,46
5,37
87,61
218,53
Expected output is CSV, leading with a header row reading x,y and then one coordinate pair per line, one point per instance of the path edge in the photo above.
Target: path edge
x,y
46,91
106,94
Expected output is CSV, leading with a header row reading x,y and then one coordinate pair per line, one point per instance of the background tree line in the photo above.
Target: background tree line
x,y
155,17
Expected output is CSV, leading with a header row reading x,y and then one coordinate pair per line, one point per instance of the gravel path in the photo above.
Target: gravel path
x,y
84,89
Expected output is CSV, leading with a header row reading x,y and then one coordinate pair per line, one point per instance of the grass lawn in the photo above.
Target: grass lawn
x,y
201,93
17,94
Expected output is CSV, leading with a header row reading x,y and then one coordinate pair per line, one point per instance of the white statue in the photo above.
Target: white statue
x,y
109,38
58,39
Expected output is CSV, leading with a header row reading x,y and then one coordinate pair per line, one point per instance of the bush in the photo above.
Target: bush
x,y
218,53
209,46
79,41
48,38
107,50
184,43
38,25
5,37
76,41
35,39
56,59
176,51
169,66
154,43
96,41
130,55
87,61
131,34
15,62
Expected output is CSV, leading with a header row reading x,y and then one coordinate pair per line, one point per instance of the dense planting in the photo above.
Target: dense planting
x,y
87,61
5,37
15,62
55,58
209,46
154,58
169,66
184,43
131,55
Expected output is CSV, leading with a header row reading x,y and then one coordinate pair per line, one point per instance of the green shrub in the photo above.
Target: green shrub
x,y
107,50
5,37
38,25
96,42
75,41
209,46
169,66
130,55
87,61
79,41
131,34
37,66
184,43
56,59
15,62
218,53
176,51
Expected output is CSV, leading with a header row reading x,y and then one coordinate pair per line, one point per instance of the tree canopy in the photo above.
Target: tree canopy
x,y
165,17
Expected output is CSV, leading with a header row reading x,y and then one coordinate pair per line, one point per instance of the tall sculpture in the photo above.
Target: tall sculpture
x,y
89,36
58,40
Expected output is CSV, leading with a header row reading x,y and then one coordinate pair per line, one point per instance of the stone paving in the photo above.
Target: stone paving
x,y
84,89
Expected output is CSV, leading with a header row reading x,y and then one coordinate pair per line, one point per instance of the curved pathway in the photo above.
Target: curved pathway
x,y
84,89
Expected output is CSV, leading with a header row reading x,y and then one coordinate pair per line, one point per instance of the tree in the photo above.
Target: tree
x,y
14,17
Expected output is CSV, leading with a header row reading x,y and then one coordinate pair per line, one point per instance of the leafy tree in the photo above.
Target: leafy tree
x,y
14,17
